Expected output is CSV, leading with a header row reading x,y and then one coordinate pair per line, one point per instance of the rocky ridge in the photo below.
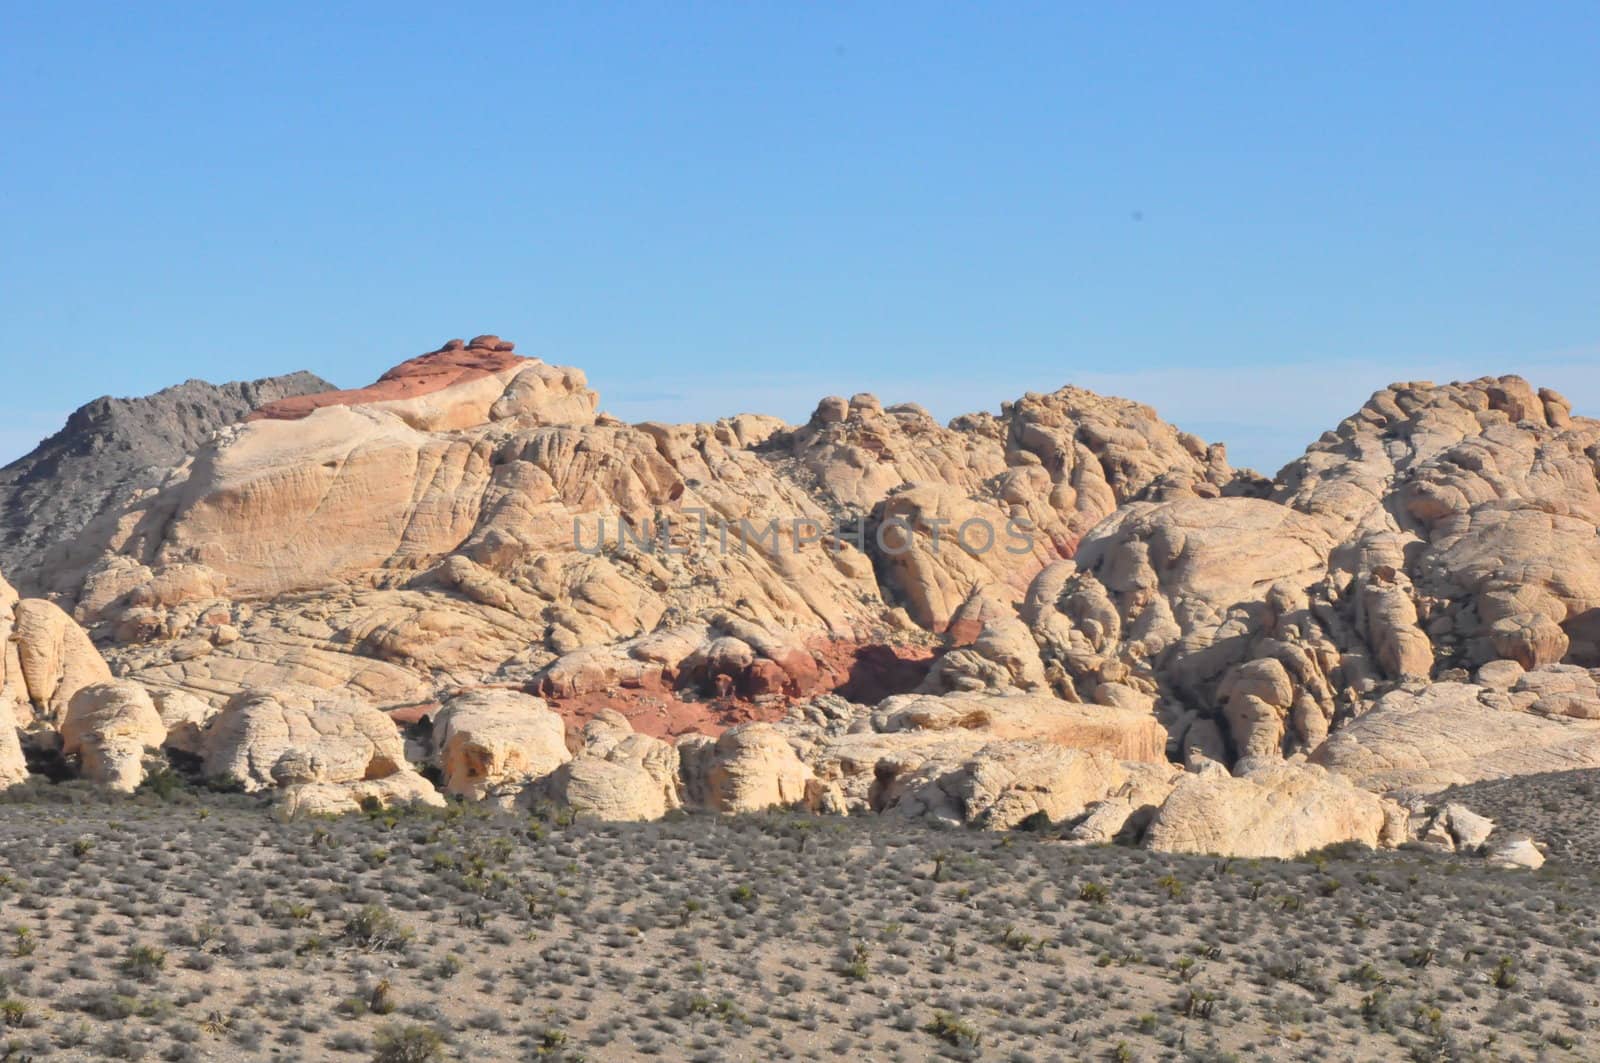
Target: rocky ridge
x,y
1152,645
112,448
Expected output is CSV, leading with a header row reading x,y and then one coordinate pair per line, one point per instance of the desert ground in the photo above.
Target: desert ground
x,y
180,923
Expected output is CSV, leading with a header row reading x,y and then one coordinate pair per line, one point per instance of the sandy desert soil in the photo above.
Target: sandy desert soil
x,y
181,924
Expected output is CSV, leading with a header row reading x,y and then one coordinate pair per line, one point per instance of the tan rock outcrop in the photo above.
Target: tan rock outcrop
x,y
617,775
1558,690
494,742
1449,734
53,657
109,727
1516,852
321,737
1002,784
304,799
13,764
463,521
750,768
185,718
1123,733
991,760
1275,809
470,520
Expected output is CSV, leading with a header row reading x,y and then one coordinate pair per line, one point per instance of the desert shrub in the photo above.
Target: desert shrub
x,y
375,927
143,962
407,1044
954,1031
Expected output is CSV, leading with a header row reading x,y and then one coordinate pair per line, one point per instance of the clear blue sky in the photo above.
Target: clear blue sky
x,y
1250,216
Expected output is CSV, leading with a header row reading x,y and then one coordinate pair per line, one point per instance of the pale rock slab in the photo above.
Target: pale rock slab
x,y
110,727
618,775
346,740
1448,734
494,742
1275,809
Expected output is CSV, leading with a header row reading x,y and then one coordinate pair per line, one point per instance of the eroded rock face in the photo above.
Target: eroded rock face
x,y
750,768
46,661
13,764
1447,734
1002,784
461,521
109,727
1124,733
52,657
185,718
617,775
289,737
108,451
1441,527
459,524
494,742
992,761
308,798
1274,809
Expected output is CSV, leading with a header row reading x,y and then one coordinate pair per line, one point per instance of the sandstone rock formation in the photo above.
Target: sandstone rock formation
x,y
1446,734
109,450
13,764
1001,785
617,775
290,736
471,517
1044,613
1517,853
1123,732
302,796
185,718
49,659
109,727
1274,809
751,768
494,742
1440,528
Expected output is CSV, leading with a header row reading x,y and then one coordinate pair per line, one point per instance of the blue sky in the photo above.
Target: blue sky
x,y
1250,216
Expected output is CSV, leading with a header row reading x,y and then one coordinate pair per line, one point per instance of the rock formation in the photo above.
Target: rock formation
x,y
617,775
493,742
1067,611
1275,809
109,727
109,450
289,736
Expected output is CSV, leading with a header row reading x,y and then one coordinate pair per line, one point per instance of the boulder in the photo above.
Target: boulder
x,y
1516,852
13,765
109,727
1002,784
185,717
494,742
54,656
750,768
346,740
617,775
1278,809
309,798
1468,829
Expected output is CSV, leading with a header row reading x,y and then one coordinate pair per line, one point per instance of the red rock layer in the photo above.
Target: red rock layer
x,y
864,673
456,362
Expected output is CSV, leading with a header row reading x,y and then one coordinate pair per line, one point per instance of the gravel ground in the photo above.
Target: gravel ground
x,y
190,925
